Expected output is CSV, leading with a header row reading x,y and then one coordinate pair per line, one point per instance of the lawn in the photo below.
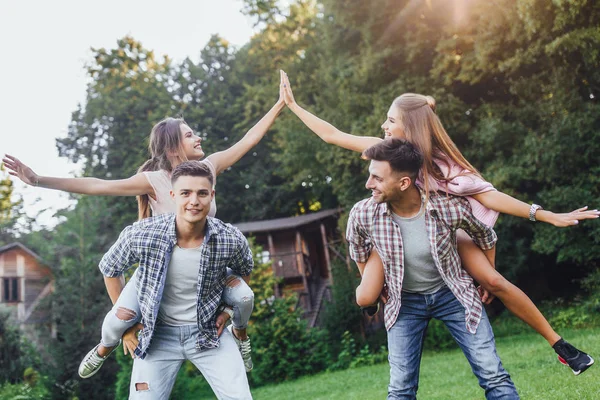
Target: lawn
x,y
447,376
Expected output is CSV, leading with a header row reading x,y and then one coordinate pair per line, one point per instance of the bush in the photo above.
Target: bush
x,y
282,346
350,356
438,337
342,315
32,388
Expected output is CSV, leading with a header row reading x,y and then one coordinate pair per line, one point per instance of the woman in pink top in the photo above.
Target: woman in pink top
x,y
172,141
412,117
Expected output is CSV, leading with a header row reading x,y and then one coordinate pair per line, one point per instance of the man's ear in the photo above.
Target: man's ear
x,y
172,195
405,183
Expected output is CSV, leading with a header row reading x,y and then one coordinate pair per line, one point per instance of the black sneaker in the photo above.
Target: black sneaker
x,y
370,310
577,360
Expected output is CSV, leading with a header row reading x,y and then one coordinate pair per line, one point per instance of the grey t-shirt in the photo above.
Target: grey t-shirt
x,y
179,299
420,272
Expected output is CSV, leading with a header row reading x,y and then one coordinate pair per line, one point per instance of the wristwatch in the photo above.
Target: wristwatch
x,y
532,210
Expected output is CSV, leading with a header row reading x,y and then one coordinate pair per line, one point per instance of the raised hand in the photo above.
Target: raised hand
x,y
16,168
288,95
569,219
281,99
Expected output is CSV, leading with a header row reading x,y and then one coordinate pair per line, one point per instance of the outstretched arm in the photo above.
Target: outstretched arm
x,y
226,158
506,204
329,133
133,186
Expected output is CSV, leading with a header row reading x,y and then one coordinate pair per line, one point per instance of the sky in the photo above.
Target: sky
x,y
44,46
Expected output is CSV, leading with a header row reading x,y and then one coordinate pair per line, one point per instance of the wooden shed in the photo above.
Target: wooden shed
x,y
300,249
25,281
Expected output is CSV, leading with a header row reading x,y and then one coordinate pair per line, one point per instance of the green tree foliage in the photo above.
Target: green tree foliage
x,y
282,346
516,82
16,353
130,91
79,301
10,208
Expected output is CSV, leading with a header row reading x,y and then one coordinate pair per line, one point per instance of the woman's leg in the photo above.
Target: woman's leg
x,y
124,314
478,266
238,294
371,284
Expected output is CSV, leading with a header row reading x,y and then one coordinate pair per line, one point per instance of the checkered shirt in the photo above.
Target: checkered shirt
x,y
150,243
371,224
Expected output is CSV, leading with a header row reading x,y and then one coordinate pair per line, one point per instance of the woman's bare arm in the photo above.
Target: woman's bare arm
x,y
226,158
329,133
506,204
132,186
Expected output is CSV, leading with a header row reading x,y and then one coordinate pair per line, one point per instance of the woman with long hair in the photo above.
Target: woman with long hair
x,y
172,142
412,117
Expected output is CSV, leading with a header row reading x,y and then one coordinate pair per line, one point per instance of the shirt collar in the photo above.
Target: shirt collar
x,y
212,228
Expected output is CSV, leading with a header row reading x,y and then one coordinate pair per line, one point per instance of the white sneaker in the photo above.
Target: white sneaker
x,y
92,362
245,349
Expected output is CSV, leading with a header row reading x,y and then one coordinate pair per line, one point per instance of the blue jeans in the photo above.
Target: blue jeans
x,y
223,368
405,344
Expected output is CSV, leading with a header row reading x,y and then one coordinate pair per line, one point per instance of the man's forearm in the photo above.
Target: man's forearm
x,y
491,256
114,287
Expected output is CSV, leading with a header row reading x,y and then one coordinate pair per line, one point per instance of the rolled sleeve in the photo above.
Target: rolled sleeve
x,y
120,256
359,243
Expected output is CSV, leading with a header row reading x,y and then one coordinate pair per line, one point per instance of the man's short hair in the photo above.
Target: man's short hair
x,y
402,155
192,168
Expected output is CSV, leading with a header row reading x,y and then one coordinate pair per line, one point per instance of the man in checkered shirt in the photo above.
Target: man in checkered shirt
x,y
415,238
182,271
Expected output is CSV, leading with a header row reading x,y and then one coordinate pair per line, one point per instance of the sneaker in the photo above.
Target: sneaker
x,y
370,310
576,359
92,362
245,349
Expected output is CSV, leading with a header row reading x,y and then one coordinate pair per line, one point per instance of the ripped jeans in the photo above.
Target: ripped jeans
x,y
126,311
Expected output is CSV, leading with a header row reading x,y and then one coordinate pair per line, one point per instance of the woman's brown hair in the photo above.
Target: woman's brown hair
x,y
423,128
165,140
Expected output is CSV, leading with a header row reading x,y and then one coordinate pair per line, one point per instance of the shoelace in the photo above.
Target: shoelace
x,y
245,347
94,360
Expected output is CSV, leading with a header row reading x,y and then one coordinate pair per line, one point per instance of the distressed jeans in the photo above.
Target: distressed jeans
x,y
223,368
405,344
236,293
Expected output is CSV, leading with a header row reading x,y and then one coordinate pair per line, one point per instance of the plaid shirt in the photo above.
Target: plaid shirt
x,y
150,243
371,224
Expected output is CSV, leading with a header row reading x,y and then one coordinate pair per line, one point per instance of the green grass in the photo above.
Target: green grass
x,y
447,375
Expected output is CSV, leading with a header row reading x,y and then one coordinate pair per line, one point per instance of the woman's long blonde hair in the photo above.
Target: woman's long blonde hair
x,y
165,140
423,128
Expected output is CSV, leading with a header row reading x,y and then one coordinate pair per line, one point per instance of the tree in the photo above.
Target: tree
x,y
10,208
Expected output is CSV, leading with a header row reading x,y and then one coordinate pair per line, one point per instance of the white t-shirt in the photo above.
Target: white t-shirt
x,y
179,301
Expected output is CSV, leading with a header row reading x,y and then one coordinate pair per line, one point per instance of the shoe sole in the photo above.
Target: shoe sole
x,y
564,362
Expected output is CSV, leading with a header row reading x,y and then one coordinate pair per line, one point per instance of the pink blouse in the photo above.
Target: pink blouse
x,y
466,185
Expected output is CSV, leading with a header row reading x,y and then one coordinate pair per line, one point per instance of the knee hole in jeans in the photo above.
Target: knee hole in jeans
x,y
232,281
141,386
125,314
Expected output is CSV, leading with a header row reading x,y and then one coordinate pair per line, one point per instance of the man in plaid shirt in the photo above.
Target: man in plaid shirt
x,y
181,276
415,238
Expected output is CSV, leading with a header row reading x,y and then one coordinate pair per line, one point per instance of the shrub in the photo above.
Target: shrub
x,y
282,346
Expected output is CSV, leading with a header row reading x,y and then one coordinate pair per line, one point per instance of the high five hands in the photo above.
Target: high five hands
x,y
285,89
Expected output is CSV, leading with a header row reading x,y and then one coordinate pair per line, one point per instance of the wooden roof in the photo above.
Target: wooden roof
x,y
284,223
19,246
